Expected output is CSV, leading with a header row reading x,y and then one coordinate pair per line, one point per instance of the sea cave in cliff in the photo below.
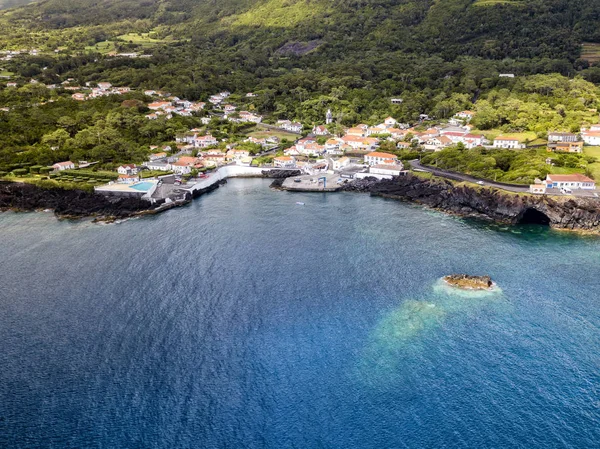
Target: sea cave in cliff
x,y
534,216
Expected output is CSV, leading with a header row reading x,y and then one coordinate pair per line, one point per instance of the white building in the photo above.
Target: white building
x,y
378,158
128,179
465,115
67,165
539,189
159,166
156,156
198,141
284,162
127,169
562,137
293,127
246,116
340,163
390,122
575,181
591,137
391,170
320,130
508,143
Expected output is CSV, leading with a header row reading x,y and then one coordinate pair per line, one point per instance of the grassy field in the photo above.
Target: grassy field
x,y
142,39
152,173
491,134
278,13
595,167
102,47
264,133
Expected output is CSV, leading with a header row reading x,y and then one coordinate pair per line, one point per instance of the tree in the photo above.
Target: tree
x,y
56,139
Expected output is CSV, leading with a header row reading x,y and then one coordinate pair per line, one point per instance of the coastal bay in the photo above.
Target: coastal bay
x,y
245,320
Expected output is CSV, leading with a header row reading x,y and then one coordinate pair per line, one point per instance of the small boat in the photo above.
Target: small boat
x,y
299,203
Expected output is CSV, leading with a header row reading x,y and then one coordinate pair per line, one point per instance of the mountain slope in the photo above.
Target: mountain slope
x,y
516,29
354,51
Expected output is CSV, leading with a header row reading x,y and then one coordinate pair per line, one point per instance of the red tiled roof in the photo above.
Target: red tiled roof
x,y
513,139
575,177
382,155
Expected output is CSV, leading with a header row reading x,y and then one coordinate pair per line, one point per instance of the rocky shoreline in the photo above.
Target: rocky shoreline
x,y
69,204
563,213
78,204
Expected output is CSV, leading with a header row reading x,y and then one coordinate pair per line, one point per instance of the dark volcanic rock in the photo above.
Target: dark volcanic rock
x,y
280,174
360,185
582,214
298,48
277,183
67,203
210,188
467,282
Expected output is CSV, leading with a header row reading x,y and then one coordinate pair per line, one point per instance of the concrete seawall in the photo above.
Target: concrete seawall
x,y
229,171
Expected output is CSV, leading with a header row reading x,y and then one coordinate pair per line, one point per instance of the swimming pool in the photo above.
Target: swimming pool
x,y
143,186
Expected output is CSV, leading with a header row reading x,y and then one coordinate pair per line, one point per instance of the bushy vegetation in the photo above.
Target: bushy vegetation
x,y
513,166
539,103
42,132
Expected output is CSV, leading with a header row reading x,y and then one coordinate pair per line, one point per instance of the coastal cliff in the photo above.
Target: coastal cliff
x,y
568,213
68,203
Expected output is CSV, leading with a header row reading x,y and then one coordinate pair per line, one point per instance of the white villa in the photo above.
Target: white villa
x,y
127,169
320,130
284,162
158,165
591,137
508,143
67,165
378,158
293,127
575,181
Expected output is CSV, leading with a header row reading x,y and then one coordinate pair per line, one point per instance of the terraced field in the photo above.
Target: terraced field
x,y
590,51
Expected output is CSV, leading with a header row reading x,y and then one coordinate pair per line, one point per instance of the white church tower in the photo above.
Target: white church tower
x,y
328,117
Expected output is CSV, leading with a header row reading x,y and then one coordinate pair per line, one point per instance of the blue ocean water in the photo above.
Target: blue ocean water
x,y
247,321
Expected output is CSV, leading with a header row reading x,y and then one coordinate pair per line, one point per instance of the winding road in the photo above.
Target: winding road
x,y
416,165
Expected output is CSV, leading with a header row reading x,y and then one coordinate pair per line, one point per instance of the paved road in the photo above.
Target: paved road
x,y
415,164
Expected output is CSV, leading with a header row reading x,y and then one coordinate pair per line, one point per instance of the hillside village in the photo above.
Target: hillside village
x,y
353,152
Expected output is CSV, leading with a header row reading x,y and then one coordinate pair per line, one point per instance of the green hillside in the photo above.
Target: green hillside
x,y
491,29
357,51
300,58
